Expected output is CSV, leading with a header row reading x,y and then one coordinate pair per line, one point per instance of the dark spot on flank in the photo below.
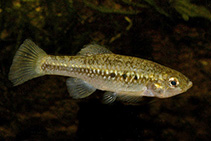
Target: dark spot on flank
x,y
112,74
135,78
124,76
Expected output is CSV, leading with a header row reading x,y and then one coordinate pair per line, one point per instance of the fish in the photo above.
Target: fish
x,y
94,67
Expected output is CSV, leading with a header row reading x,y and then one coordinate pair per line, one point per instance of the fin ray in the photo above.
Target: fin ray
x,y
109,97
24,64
129,98
78,88
93,49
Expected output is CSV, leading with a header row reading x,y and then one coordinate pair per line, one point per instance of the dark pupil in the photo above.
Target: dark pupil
x,y
173,83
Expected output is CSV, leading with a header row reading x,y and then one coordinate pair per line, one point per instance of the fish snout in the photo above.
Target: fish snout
x,y
190,84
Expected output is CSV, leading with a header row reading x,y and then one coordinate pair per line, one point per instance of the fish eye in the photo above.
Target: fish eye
x,y
173,82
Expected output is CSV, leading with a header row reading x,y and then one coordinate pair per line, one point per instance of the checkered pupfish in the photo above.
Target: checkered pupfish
x,y
95,67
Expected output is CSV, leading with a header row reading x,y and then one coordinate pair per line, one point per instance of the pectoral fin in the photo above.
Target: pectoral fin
x,y
78,88
93,49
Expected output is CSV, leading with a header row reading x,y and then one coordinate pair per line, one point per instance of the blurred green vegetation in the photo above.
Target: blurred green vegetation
x,y
47,20
183,7
187,9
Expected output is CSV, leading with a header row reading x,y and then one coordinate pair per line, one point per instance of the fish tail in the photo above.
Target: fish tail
x,y
25,63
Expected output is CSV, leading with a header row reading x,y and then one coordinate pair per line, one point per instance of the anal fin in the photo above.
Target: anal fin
x,y
129,98
78,88
110,97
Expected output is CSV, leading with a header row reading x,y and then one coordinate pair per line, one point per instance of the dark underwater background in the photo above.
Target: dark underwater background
x,y
174,33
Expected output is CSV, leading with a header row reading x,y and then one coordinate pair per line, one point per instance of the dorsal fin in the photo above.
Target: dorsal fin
x,y
93,49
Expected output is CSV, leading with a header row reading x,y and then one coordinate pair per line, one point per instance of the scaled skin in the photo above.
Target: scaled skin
x,y
120,74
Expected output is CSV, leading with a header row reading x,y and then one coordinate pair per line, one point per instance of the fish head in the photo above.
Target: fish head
x,y
170,84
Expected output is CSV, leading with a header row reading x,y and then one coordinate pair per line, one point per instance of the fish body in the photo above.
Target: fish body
x,y
95,67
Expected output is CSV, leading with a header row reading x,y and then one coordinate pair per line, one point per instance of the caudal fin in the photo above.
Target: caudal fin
x,y
24,65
